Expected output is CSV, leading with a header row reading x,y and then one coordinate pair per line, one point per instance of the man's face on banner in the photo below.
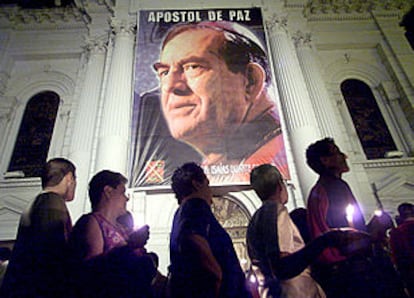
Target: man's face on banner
x,y
201,98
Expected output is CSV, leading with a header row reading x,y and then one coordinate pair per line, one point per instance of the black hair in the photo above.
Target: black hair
x,y
317,150
182,179
55,170
405,210
99,181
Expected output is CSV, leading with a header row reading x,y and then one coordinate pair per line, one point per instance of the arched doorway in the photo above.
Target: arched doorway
x,y
234,217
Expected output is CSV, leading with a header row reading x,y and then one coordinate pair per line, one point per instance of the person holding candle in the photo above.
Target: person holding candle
x,y
112,260
275,245
331,205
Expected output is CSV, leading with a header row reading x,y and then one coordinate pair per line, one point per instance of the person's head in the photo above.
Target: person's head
x,y
190,179
60,173
405,210
325,157
108,186
268,183
211,73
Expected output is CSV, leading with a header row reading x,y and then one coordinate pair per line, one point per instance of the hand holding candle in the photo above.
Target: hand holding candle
x,y
348,240
139,238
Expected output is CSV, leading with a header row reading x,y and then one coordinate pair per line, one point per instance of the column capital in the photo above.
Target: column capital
x,y
96,44
276,22
302,39
123,26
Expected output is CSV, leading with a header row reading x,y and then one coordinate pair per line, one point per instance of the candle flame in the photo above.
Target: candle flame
x,y
350,209
378,212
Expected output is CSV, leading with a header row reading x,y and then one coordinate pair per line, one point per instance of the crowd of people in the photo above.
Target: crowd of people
x,y
211,97
103,256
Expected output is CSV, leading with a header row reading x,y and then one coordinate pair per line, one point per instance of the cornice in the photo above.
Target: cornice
x,y
20,182
355,9
389,162
19,18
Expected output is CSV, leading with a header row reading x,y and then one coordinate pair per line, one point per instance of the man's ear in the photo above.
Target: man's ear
x,y
67,179
107,190
324,160
196,185
255,76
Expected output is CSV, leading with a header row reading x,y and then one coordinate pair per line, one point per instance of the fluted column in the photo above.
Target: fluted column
x,y
295,100
112,151
86,118
325,113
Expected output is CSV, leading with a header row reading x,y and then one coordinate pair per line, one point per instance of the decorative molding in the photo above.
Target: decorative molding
x,y
301,39
26,85
7,107
96,45
276,22
123,26
393,184
20,183
356,8
19,17
384,163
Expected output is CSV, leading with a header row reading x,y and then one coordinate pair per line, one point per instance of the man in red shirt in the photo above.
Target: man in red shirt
x,y
329,203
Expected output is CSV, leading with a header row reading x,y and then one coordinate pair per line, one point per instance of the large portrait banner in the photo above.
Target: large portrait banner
x,y
204,92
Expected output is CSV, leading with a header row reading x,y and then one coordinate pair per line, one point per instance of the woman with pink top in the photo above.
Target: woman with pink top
x,y
113,263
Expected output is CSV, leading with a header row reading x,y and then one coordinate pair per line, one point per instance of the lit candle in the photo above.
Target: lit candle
x,y
378,212
138,220
349,211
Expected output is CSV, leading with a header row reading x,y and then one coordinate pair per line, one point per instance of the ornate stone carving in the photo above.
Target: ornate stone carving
x,y
123,26
382,163
229,214
314,7
17,16
302,39
276,22
97,44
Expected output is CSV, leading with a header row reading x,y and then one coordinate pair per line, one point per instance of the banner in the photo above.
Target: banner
x,y
204,92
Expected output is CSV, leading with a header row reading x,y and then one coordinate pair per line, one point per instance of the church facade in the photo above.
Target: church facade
x,y
68,75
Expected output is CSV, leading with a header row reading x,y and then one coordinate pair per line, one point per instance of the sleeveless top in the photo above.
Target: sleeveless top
x,y
113,235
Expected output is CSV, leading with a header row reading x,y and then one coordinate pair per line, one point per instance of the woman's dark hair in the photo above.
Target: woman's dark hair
x,y
99,181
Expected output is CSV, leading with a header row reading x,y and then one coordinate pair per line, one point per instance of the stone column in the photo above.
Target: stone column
x,y
326,115
318,93
113,142
299,115
392,100
85,122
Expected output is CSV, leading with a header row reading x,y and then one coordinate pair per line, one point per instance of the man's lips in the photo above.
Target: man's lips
x,y
181,107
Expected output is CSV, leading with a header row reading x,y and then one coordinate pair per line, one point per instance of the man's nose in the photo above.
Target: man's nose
x,y
175,80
